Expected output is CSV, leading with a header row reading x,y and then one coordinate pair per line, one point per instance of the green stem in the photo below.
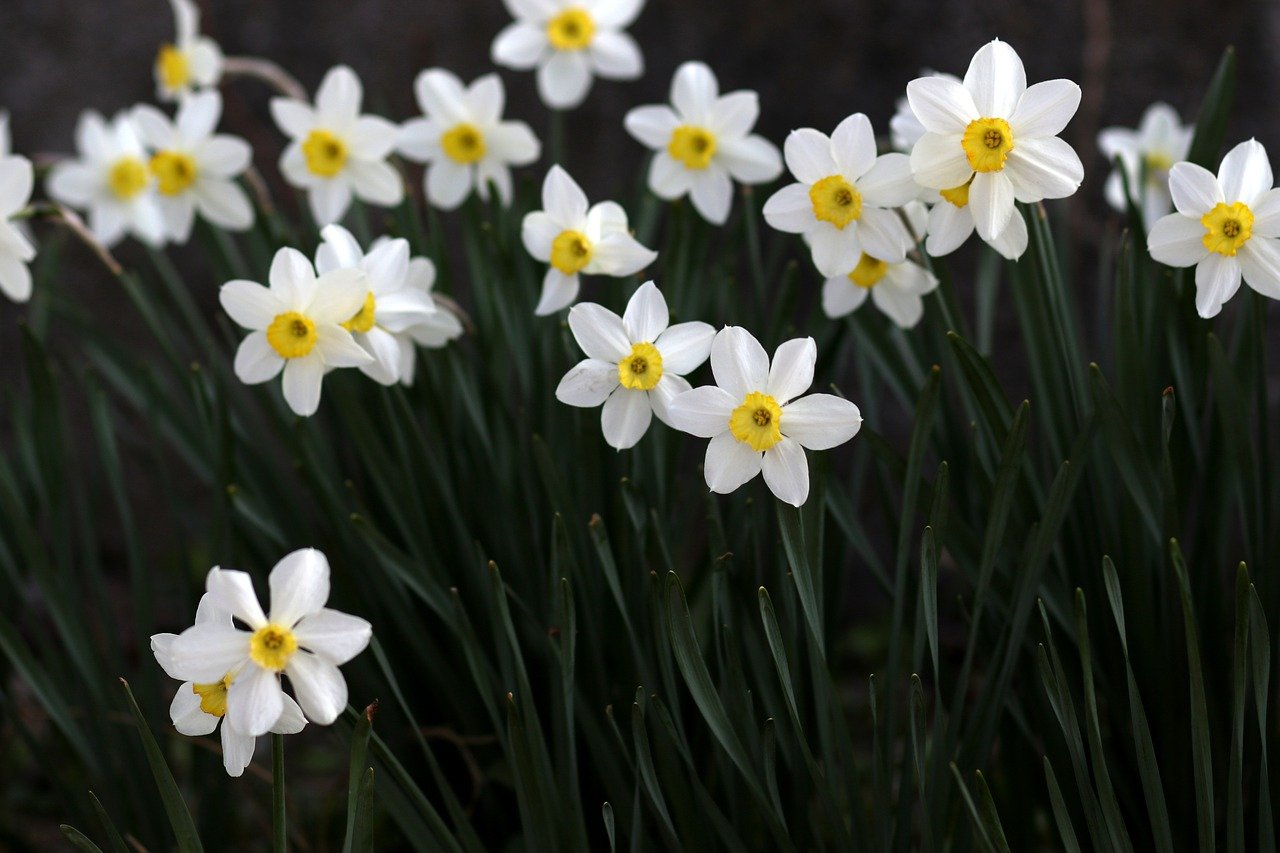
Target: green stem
x,y
277,794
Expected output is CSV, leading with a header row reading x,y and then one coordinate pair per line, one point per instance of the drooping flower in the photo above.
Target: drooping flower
x,y
570,42
335,152
702,143
296,325
463,139
16,249
198,708
844,199
192,62
754,419
896,289
194,169
994,138
635,363
1227,227
300,638
574,238
951,222
1146,155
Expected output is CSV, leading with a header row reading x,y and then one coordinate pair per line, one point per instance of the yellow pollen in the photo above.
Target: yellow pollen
x,y
757,422
958,196
325,153
173,68
835,200
868,272
987,143
641,370
291,335
1227,228
271,646
572,29
175,172
213,697
571,251
128,178
363,319
692,146
463,143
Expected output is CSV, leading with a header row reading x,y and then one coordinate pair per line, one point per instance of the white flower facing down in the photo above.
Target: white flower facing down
x,y
111,181
390,307
950,223
1146,155
300,638
335,152
296,326
192,62
194,169
895,288
463,139
574,238
1227,227
635,363
16,249
702,143
570,42
754,420
198,708
995,135
844,199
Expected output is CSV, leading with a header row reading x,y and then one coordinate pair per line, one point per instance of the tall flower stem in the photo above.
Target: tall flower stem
x,y
277,794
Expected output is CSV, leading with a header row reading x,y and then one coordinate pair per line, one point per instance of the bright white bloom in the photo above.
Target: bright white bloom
x,y
635,363
197,708
951,222
110,180
463,139
702,143
845,197
390,307
569,42
194,169
574,238
754,420
1146,155
297,326
301,638
995,135
434,330
1227,227
335,151
16,249
192,61
896,289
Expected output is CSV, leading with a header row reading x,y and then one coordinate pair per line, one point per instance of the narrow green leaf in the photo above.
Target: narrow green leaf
x,y
113,834
184,828
362,838
1066,832
356,771
79,840
1260,663
1239,687
606,813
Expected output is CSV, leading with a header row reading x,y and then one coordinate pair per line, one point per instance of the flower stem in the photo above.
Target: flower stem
x,y
277,794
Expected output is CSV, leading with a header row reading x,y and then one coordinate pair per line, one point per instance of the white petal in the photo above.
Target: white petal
x,y
616,56
1266,214
338,99
684,347
599,332
605,218
256,360
1245,173
513,143
1044,109
302,380
751,159
376,182
319,686
820,421
224,204
898,304
155,128
668,178
668,388
558,292
292,278
237,750
1012,241
883,235
337,637
620,254
711,191
447,184
299,586
563,199
73,183
652,126
538,231
1043,168
291,719
808,155
1217,280
338,295
493,176
441,96
786,472
733,115
840,296
250,304
703,412
589,383
520,45
419,140
372,138
646,316
1260,263
991,201
198,116
205,653
187,716
1177,240
294,118
486,99
942,104
254,701
835,250
791,373
616,14
233,590
790,209
738,362
329,200
939,161
563,80
387,266
693,92
729,463
889,182
625,418
1194,189
854,146
996,78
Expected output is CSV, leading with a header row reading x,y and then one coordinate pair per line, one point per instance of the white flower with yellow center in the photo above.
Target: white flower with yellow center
x,y
1227,227
111,180
895,288
635,363
192,62
16,249
844,199
754,420
390,307
300,638
198,708
335,151
297,326
194,169
570,42
463,139
1146,155
574,238
434,330
702,143
951,222
995,135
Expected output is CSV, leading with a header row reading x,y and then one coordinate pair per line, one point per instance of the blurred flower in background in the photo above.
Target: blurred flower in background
x,y
1146,155
16,249
192,61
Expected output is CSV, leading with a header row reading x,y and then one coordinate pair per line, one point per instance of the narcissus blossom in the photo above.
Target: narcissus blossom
x,y
1146,155
702,143
335,152
951,222
463,139
16,249
1227,227
895,288
570,42
192,62
635,363
574,238
754,419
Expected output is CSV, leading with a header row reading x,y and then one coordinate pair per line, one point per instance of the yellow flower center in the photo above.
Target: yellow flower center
x,y
363,319
692,146
173,68
291,334
868,272
757,422
572,29
463,143
325,153
571,251
958,196
128,177
641,370
1227,228
175,172
271,646
987,143
213,697
836,201
1156,166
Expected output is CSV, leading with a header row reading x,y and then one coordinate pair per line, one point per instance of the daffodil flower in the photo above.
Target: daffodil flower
x,y
191,62
1146,155
16,249
895,288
